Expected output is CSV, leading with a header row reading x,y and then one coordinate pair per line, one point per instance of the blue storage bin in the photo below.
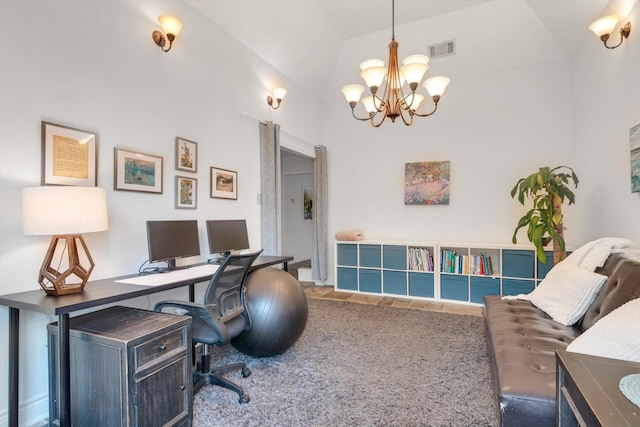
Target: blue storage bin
x,y
515,287
421,284
370,280
347,254
395,282
518,263
347,278
481,286
394,257
370,256
454,287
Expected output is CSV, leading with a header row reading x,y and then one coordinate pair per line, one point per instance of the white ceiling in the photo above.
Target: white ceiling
x,y
302,38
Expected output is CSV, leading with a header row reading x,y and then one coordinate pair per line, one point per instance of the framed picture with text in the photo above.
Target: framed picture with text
x,y
69,156
134,171
224,184
186,155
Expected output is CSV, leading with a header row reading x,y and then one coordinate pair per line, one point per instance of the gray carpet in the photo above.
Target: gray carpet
x,y
363,365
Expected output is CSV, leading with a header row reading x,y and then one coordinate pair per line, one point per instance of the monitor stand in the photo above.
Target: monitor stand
x,y
220,259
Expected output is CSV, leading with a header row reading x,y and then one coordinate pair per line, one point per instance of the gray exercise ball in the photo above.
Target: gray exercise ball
x,y
278,308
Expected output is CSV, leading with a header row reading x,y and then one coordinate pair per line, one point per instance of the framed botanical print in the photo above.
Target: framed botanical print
x,y
186,155
69,156
186,192
134,171
224,184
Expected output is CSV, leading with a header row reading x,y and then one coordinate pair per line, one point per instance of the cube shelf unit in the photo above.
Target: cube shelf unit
x,y
390,268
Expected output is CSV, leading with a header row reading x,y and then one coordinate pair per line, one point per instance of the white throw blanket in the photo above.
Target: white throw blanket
x,y
595,253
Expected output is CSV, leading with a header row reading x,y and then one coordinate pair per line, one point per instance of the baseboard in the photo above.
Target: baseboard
x,y
31,413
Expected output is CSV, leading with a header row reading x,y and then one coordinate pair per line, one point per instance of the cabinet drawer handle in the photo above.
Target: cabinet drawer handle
x,y
162,347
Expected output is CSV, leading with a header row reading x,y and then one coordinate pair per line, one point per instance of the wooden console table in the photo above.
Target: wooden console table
x,y
96,293
588,391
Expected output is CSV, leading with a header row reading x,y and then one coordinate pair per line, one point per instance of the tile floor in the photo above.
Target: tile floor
x,y
328,293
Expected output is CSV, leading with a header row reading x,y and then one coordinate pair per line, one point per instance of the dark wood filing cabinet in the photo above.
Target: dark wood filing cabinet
x,y
130,367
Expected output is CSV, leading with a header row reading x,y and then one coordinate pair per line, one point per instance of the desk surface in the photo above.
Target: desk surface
x,y
107,291
597,380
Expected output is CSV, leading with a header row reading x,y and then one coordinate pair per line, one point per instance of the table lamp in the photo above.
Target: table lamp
x,y
64,212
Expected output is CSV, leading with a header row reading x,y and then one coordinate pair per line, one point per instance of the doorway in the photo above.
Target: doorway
x,y
298,217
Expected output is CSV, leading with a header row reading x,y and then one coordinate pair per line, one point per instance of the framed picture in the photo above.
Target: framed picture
x,y
634,138
186,192
135,171
307,204
186,155
69,156
224,184
426,183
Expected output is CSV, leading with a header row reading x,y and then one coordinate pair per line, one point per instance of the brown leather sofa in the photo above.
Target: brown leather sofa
x,y
522,341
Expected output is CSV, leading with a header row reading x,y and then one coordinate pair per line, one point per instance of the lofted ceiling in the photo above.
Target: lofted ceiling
x,y
302,39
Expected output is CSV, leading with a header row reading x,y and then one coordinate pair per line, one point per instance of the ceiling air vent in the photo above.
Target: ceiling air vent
x,y
442,49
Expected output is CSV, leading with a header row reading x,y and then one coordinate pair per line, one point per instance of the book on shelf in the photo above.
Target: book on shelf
x,y
420,259
477,264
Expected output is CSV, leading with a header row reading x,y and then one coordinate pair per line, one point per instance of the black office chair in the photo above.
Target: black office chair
x,y
223,316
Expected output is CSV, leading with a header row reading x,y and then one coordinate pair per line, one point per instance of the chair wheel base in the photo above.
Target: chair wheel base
x,y
244,398
246,372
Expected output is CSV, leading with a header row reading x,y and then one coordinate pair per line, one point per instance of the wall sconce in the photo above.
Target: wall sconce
x,y
604,26
171,27
278,95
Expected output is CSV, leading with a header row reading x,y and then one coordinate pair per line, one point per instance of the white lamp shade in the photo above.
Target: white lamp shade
x,y
369,105
416,59
436,85
413,72
56,210
279,93
417,100
371,63
352,92
604,25
374,76
170,24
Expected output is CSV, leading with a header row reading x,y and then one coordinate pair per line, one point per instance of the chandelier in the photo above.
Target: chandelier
x,y
395,102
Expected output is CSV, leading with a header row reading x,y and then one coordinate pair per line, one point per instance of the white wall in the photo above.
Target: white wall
x,y
94,66
518,107
606,104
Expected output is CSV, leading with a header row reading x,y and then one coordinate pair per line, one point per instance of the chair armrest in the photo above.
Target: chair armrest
x,y
199,312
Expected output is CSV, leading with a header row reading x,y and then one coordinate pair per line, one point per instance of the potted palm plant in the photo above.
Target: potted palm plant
x,y
547,189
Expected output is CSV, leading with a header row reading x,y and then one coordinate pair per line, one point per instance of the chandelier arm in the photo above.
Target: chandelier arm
x,y
435,107
353,113
383,115
404,120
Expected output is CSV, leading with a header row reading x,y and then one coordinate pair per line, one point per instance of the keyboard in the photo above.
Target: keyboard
x,y
182,274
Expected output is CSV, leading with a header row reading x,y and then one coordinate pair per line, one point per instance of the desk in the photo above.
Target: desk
x,y
588,391
96,293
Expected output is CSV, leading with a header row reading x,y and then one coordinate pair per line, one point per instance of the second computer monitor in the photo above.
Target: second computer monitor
x,y
227,235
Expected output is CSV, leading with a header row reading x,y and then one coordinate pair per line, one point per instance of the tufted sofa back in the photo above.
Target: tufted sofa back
x,y
623,285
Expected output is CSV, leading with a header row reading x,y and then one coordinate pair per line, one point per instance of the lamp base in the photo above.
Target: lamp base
x,y
68,277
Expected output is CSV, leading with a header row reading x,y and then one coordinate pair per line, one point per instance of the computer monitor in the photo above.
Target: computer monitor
x,y
169,240
227,235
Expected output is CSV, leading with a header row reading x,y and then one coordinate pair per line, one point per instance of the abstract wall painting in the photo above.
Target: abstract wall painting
x,y
426,183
